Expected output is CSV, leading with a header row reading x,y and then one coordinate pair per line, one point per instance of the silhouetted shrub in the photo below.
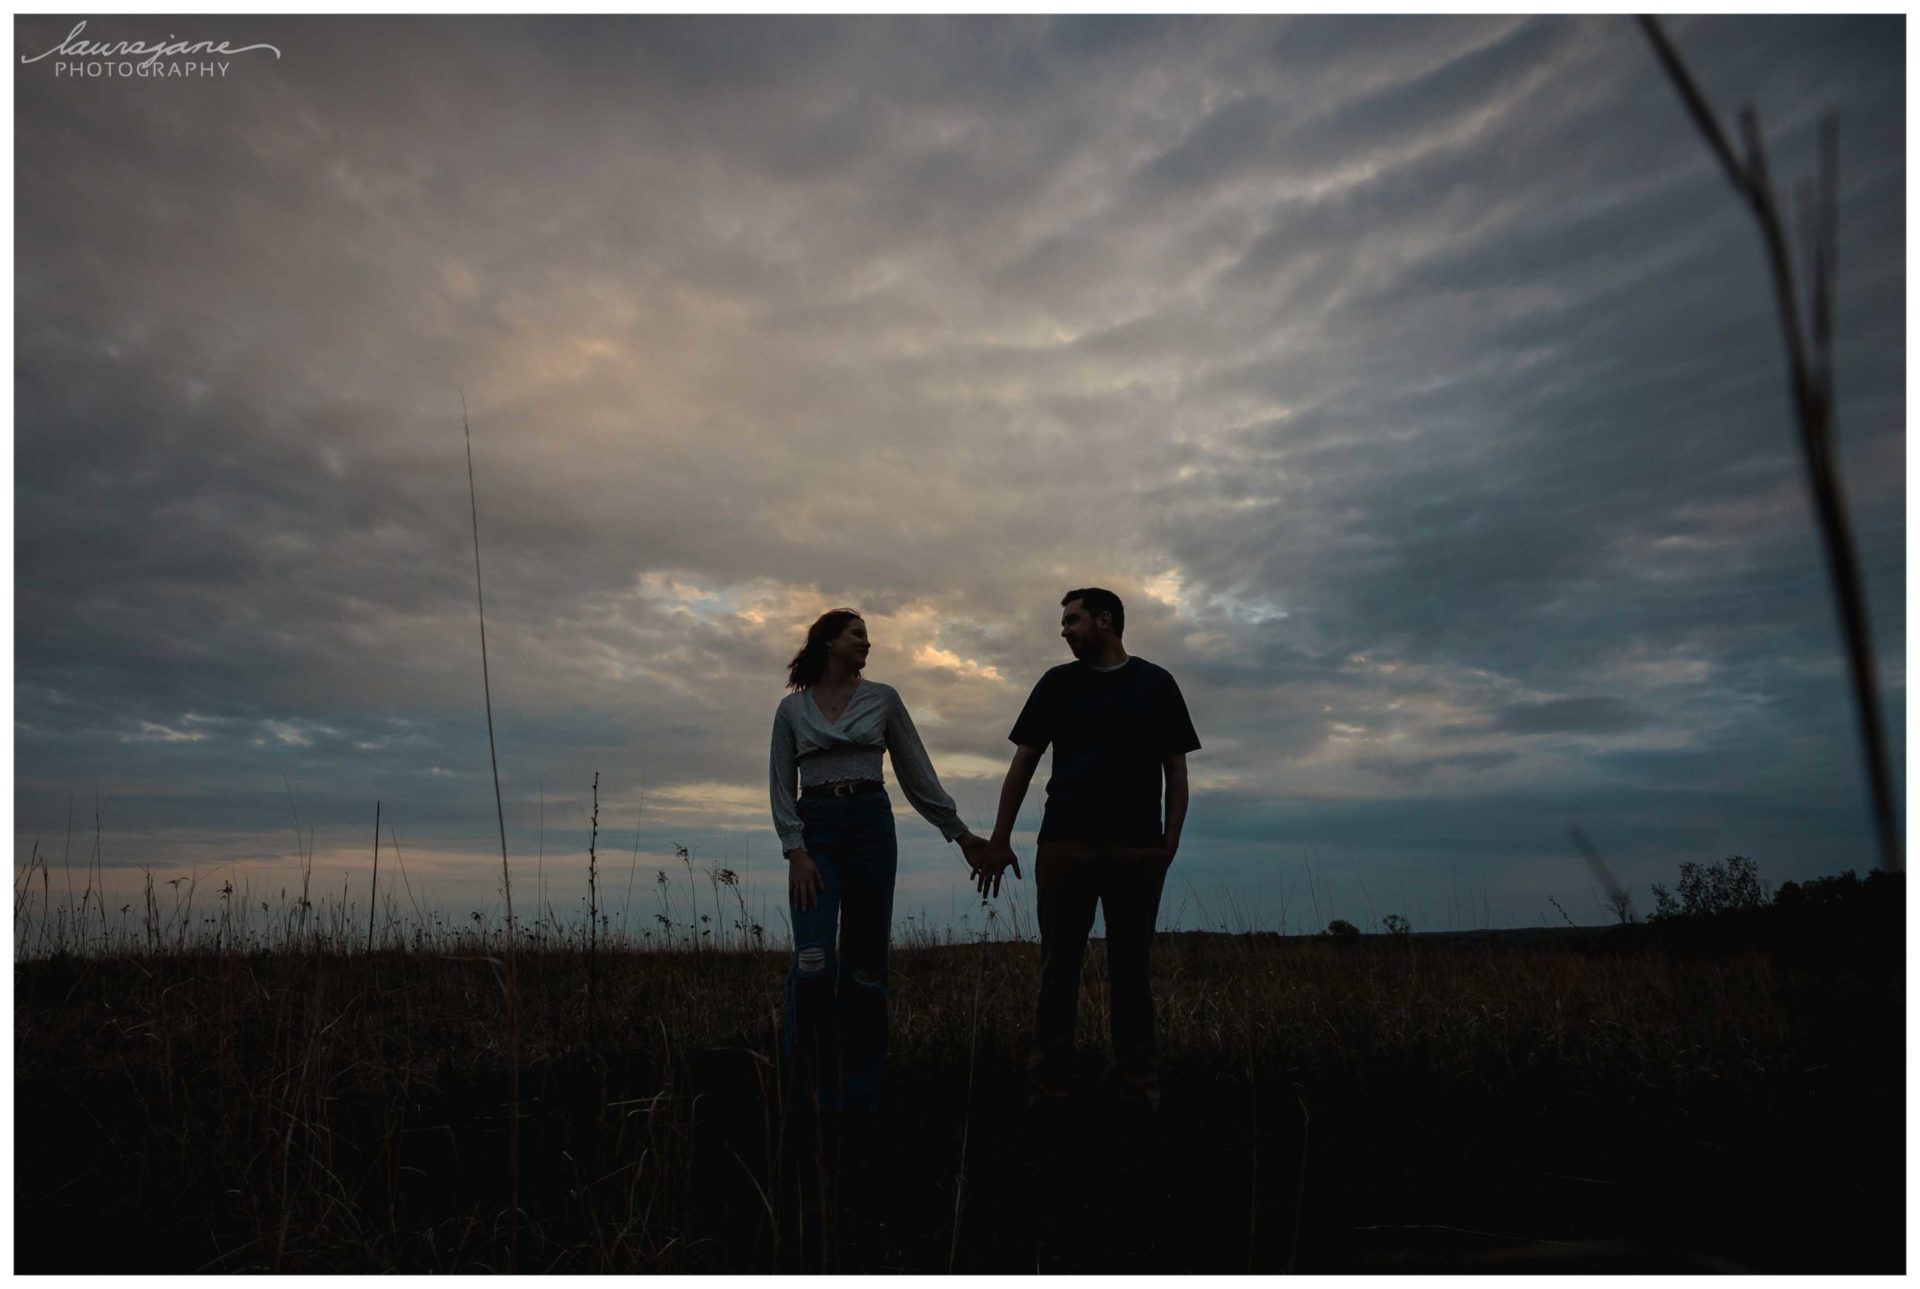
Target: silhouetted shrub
x,y
1710,889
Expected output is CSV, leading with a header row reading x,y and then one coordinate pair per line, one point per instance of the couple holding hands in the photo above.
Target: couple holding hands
x,y
1118,728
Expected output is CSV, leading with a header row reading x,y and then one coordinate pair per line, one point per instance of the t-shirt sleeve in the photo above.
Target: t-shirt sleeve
x,y
1035,729
1176,734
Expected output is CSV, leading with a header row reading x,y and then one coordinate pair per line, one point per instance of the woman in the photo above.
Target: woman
x,y
841,854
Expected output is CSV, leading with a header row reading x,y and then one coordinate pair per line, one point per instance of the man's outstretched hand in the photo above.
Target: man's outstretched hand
x,y
990,869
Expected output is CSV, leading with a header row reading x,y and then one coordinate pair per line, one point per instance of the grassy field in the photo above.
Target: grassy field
x,y
1610,1101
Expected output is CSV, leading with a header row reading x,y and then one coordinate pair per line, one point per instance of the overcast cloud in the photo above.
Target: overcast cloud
x,y
1415,381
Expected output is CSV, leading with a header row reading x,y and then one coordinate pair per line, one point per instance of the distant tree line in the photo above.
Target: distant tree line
x,y
1730,889
1733,886
1823,920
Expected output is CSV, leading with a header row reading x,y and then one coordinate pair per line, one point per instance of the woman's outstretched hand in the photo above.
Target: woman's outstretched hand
x,y
804,882
974,847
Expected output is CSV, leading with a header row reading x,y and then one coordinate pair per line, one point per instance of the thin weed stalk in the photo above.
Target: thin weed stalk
x,y
507,982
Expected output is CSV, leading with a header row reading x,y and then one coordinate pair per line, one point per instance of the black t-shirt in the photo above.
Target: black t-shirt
x,y
1111,731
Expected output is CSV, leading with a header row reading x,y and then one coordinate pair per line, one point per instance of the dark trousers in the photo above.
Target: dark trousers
x,y
835,1036
1070,879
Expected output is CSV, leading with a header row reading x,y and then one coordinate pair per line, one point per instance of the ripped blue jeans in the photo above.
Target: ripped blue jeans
x,y
836,1025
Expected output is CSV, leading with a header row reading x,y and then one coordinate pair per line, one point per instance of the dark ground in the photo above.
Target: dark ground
x,y
1623,1105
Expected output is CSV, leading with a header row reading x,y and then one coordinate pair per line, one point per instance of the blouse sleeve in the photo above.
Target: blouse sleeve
x,y
915,772
783,773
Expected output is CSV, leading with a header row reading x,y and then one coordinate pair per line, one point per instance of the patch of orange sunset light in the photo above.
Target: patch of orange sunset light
x,y
947,660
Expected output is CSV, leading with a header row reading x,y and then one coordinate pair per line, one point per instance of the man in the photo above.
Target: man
x,y
1118,727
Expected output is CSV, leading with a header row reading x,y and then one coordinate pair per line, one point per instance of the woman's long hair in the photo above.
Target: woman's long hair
x,y
811,662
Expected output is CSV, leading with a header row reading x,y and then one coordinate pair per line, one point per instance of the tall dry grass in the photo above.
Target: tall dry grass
x,y
326,1110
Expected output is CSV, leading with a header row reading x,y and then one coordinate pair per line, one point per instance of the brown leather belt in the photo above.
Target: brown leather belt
x,y
842,788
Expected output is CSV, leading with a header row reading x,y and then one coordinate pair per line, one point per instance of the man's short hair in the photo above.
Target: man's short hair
x,y
1096,600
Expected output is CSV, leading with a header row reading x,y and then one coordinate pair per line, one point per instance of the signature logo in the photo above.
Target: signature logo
x,y
74,47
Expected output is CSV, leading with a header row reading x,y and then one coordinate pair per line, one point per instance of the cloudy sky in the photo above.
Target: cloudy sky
x,y
1416,382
